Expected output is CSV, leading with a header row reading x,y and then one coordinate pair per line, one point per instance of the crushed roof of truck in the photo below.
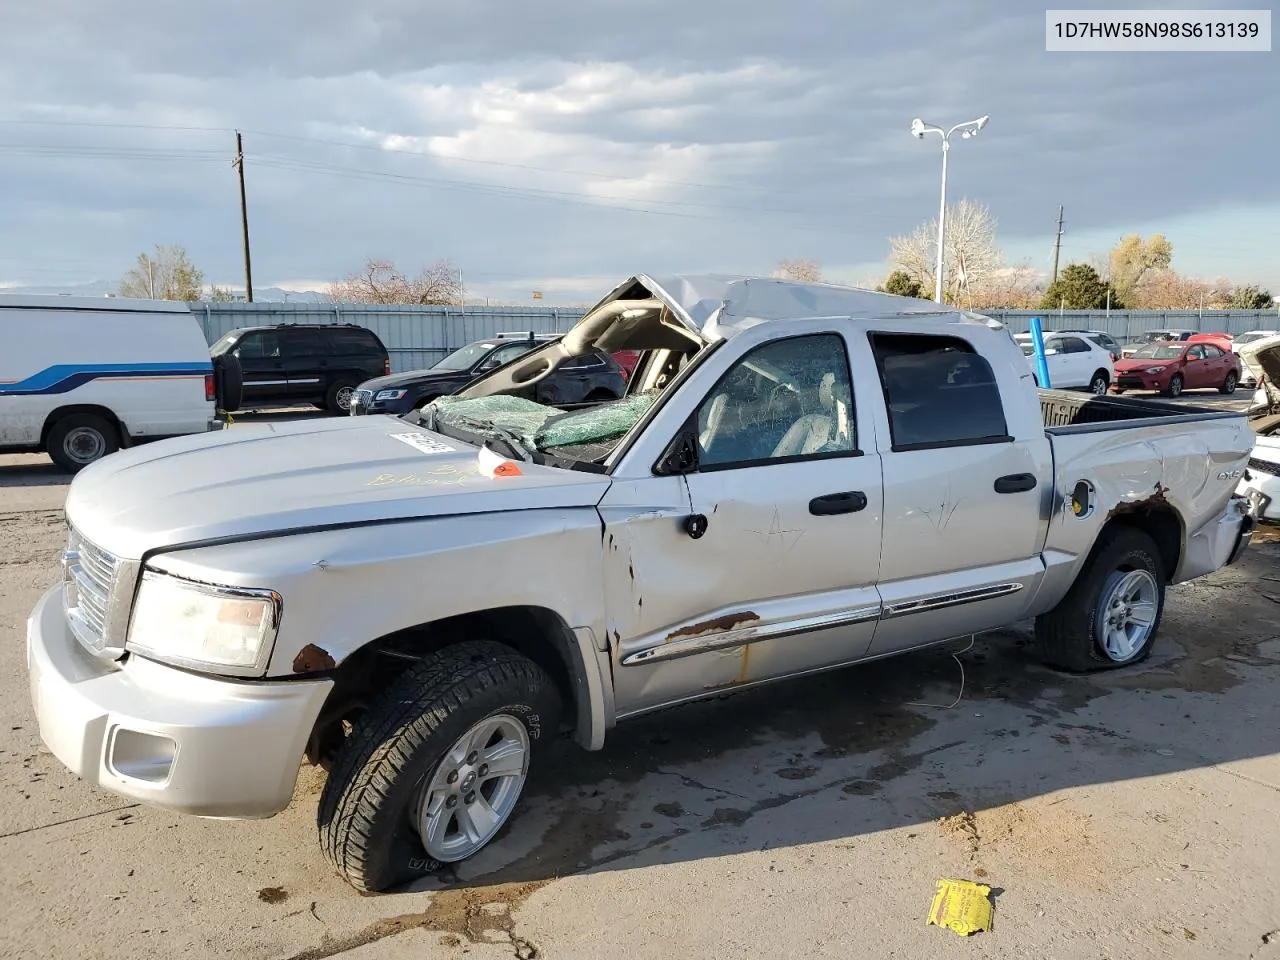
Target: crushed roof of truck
x,y
713,305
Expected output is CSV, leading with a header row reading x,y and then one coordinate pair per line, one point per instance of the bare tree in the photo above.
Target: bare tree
x,y
972,254
1018,287
1163,289
380,282
169,274
801,271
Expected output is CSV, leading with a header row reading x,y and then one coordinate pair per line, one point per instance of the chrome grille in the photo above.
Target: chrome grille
x,y
364,397
89,575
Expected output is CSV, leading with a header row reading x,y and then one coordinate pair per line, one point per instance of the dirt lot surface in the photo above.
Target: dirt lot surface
x,y
1128,816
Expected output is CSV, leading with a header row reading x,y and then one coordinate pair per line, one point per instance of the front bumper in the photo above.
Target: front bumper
x,y
1128,381
182,741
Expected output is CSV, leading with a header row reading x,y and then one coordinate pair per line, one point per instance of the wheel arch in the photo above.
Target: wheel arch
x,y
93,409
539,633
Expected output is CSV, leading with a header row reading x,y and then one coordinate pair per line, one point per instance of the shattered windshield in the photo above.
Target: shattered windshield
x,y
588,434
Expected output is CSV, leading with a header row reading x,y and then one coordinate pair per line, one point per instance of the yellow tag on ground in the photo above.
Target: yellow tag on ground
x,y
962,906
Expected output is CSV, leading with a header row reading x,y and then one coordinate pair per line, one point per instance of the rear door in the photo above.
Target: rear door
x,y
305,354
1219,363
967,473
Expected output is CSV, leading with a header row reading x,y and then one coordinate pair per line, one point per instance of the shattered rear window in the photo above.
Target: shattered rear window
x,y
609,421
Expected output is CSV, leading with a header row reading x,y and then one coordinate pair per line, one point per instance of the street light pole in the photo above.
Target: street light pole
x,y
942,223
968,129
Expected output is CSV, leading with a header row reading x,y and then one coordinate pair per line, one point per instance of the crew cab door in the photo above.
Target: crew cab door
x,y
759,558
967,482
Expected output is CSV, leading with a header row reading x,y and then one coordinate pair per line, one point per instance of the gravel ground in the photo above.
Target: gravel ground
x,y
1127,816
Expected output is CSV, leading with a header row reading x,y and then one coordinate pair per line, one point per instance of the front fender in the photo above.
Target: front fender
x,y
343,588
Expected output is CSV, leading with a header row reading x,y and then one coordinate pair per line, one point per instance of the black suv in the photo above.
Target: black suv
x,y
289,364
589,379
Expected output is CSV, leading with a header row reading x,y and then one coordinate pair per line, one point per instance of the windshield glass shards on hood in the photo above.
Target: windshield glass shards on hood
x,y
586,435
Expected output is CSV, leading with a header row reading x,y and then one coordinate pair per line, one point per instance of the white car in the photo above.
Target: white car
x,y
1261,481
1074,361
1248,375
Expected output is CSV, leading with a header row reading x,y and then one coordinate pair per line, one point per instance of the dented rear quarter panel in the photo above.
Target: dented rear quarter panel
x,y
1193,468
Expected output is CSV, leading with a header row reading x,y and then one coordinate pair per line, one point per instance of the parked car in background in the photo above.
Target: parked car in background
x,y
1249,376
627,360
81,377
588,379
290,364
1103,339
1074,361
1154,336
1171,368
392,596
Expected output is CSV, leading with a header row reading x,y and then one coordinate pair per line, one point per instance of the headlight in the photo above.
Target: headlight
x,y
194,625
390,394
1155,370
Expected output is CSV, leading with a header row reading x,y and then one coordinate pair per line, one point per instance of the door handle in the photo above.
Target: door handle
x,y
833,503
1016,483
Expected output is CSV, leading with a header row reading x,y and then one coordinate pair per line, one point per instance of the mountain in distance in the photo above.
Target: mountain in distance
x,y
103,288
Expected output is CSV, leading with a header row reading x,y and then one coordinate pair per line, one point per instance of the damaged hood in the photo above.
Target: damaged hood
x,y
256,479
1263,355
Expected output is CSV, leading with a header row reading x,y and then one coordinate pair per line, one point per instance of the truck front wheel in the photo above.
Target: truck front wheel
x,y
434,768
1110,616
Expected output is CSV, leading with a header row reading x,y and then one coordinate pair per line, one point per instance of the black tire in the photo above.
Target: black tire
x,y
338,397
364,812
1098,385
79,439
1066,636
1229,385
1175,386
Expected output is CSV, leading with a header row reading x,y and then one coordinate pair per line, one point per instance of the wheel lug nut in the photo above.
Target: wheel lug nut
x,y
453,776
484,769
451,802
471,757
470,797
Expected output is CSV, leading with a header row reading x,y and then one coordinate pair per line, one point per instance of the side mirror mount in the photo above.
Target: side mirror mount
x,y
680,457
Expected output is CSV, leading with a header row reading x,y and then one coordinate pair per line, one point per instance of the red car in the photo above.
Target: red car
x,y
1171,368
627,360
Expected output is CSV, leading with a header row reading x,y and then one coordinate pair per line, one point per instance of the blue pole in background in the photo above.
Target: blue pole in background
x,y
1042,365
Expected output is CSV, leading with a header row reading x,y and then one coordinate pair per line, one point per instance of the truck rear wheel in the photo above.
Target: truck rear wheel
x,y
1110,616
434,767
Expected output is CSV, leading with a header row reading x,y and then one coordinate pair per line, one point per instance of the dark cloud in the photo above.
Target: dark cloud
x,y
745,131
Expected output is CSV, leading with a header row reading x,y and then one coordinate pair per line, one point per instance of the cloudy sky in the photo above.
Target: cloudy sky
x,y
561,146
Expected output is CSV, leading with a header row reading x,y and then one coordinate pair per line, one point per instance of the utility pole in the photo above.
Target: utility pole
x,y
151,278
238,163
1057,245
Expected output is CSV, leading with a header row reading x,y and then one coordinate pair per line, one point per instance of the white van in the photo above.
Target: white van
x,y
81,377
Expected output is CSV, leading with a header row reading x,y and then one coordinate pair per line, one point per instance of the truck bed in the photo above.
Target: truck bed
x,y
1064,412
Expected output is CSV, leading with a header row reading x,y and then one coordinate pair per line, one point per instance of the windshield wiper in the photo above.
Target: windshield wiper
x,y
511,440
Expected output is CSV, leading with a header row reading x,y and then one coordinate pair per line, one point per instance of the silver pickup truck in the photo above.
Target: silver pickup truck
x,y
800,477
